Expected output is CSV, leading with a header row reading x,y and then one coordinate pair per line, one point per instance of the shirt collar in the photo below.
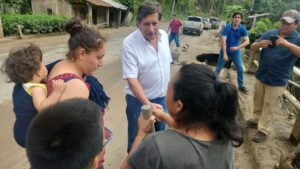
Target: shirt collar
x,y
236,28
294,34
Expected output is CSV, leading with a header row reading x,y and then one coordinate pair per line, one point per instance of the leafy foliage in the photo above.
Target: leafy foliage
x,y
182,7
32,24
230,9
20,6
260,28
276,7
263,26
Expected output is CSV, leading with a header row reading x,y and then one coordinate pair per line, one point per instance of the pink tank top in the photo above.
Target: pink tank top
x,y
66,77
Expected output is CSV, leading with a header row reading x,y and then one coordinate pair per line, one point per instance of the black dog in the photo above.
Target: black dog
x,y
212,59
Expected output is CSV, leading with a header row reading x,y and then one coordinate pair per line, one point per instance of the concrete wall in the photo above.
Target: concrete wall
x,y
64,8
40,6
58,7
101,15
81,11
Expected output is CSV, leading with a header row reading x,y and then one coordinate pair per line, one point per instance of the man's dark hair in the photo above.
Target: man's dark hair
x,y
237,13
65,135
207,100
148,8
22,64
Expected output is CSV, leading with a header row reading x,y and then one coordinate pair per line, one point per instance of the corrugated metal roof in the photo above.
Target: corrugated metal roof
x,y
100,3
108,3
116,4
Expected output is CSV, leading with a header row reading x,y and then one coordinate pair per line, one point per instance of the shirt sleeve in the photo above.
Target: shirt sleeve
x,y
146,155
129,62
298,42
180,23
265,36
244,32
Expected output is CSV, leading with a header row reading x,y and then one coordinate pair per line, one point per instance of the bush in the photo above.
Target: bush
x,y
32,24
263,26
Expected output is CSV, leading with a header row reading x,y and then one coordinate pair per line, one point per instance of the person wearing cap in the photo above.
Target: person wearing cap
x,y
280,50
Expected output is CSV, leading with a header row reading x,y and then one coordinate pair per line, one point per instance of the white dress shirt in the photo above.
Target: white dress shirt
x,y
152,68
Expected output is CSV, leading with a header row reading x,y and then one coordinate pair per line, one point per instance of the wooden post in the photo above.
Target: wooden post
x,y
212,7
107,17
1,29
252,5
119,17
147,113
173,6
20,27
90,15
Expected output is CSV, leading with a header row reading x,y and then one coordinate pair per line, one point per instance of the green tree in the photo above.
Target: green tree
x,y
275,7
19,6
131,4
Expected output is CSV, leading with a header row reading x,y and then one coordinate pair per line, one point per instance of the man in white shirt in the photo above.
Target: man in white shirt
x,y
146,59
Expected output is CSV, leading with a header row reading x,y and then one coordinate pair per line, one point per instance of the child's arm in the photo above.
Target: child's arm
x,y
39,95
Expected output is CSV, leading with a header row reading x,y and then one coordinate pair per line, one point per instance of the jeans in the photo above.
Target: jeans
x,y
174,36
238,62
133,111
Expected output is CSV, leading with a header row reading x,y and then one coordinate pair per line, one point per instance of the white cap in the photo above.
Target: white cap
x,y
290,16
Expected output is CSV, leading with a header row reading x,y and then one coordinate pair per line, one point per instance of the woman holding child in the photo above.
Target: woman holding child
x,y
67,78
86,51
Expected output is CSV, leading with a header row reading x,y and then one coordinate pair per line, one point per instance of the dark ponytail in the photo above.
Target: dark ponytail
x,y
82,36
209,101
225,120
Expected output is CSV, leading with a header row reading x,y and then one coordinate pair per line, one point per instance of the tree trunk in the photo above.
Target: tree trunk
x,y
173,6
224,4
212,7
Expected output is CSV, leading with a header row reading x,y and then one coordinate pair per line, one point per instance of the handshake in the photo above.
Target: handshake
x,y
151,113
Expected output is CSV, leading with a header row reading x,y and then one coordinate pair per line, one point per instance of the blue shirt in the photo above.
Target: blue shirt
x,y
276,63
233,37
